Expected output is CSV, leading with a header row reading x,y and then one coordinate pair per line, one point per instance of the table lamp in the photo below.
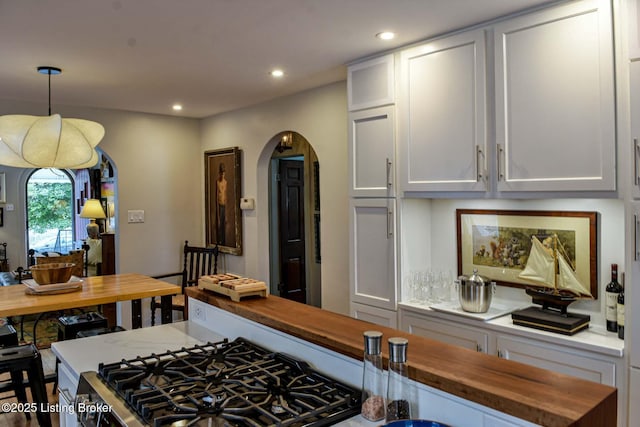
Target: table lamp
x,y
92,209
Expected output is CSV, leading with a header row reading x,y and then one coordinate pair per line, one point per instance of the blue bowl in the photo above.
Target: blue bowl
x,y
415,423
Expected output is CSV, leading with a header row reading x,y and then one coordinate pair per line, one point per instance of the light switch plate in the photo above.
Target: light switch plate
x,y
135,216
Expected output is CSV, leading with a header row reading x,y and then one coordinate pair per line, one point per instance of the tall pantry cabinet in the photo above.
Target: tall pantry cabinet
x,y
372,188
632,291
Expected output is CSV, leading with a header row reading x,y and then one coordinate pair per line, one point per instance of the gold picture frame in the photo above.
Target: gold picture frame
x,y
3,188
223,221
497,242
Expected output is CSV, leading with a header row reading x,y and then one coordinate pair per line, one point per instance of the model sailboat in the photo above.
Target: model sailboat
x,y
555,287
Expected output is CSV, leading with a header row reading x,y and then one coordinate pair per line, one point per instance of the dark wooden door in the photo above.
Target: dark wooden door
x,y
291,218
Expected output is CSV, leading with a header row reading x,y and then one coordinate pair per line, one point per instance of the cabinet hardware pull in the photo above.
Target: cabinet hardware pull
x,y
67,395
479,164
636,153
500,161
635,237
389,180
389,223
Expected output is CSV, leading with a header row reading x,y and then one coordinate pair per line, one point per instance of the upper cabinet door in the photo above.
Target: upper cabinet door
x,y
555,104
634,147
371,83
372,152
634,28
442,115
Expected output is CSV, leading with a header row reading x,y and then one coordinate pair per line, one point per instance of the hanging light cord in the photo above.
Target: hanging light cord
x,y
48,70
49,73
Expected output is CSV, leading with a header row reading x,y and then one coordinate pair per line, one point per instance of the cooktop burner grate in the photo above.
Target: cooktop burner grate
x,y
234,383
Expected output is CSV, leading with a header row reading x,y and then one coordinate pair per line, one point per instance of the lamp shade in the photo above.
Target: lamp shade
x,y
48,142
92,209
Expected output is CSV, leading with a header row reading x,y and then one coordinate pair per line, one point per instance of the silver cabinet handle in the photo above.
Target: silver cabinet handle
x,y
500,159
389,223
636,153
479,163
635,237
389,174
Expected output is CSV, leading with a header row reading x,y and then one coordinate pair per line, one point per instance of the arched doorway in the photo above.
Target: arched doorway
x,y
68,230
294,220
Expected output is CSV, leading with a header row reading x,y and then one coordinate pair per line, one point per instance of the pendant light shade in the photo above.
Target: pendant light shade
x,y
48,141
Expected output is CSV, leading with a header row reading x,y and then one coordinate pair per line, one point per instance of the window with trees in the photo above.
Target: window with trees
x,y
50,211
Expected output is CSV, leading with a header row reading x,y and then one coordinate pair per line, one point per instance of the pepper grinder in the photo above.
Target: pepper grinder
x,y
398,389
373,383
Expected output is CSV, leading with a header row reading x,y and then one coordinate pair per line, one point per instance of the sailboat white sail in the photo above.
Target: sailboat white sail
x,y
541,270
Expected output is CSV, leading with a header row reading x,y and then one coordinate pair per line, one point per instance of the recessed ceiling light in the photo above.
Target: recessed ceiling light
x,y
177,107
386,35
277,73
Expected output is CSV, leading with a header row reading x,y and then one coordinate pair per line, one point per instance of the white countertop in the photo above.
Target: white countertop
x,y
591,339
84,354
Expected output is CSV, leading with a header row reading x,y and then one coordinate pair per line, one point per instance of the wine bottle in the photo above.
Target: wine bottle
x,y
612,291
620,311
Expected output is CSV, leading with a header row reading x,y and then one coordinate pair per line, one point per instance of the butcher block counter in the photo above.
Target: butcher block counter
x,y
536,395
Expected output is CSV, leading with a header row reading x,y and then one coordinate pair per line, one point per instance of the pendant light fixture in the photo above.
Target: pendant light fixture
x,y
50,141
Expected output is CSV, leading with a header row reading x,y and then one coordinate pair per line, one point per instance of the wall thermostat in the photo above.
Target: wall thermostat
x,y
247,204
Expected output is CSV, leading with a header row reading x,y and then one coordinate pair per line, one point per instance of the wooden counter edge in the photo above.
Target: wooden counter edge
x,y
536,395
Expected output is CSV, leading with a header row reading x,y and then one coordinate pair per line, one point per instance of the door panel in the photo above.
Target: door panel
x,y
292,238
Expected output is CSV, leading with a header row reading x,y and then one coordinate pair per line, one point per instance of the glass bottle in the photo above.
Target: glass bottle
x,y
373,384
620,311
398,388
612,291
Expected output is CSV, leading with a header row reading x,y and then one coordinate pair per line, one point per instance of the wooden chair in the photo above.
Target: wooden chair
x,y
197,262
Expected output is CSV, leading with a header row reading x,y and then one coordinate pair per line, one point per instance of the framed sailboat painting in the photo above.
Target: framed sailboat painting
x,y
555,250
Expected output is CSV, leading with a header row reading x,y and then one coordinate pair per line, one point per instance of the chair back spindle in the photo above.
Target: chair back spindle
x,y
197,262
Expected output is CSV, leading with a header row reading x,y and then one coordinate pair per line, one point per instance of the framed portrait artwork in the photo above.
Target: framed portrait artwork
x,y
498,243
3,188
222,186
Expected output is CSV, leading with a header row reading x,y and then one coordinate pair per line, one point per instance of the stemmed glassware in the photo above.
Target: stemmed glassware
x,y
429,286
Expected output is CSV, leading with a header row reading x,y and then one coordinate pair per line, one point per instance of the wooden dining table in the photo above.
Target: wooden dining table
x,y
96,290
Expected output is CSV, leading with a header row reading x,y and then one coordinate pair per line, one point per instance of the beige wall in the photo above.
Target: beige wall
x,y
160,169
320,115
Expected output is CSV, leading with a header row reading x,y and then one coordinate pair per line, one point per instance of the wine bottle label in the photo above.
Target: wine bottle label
x,y
611,310
620,310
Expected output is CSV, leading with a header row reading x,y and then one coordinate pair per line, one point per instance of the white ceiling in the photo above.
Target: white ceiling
x,y
210,55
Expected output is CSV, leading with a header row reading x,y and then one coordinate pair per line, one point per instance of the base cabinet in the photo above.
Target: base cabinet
x,y
529,348
550,357
463,336
634,392
379,316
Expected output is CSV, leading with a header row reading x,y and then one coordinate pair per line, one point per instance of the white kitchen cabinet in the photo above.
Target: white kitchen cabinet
x,y
588,355
67,387
555,104
554,358
634,146
379,316
371,83
372,152
633,22
463,336
634,394
372,252
442,115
